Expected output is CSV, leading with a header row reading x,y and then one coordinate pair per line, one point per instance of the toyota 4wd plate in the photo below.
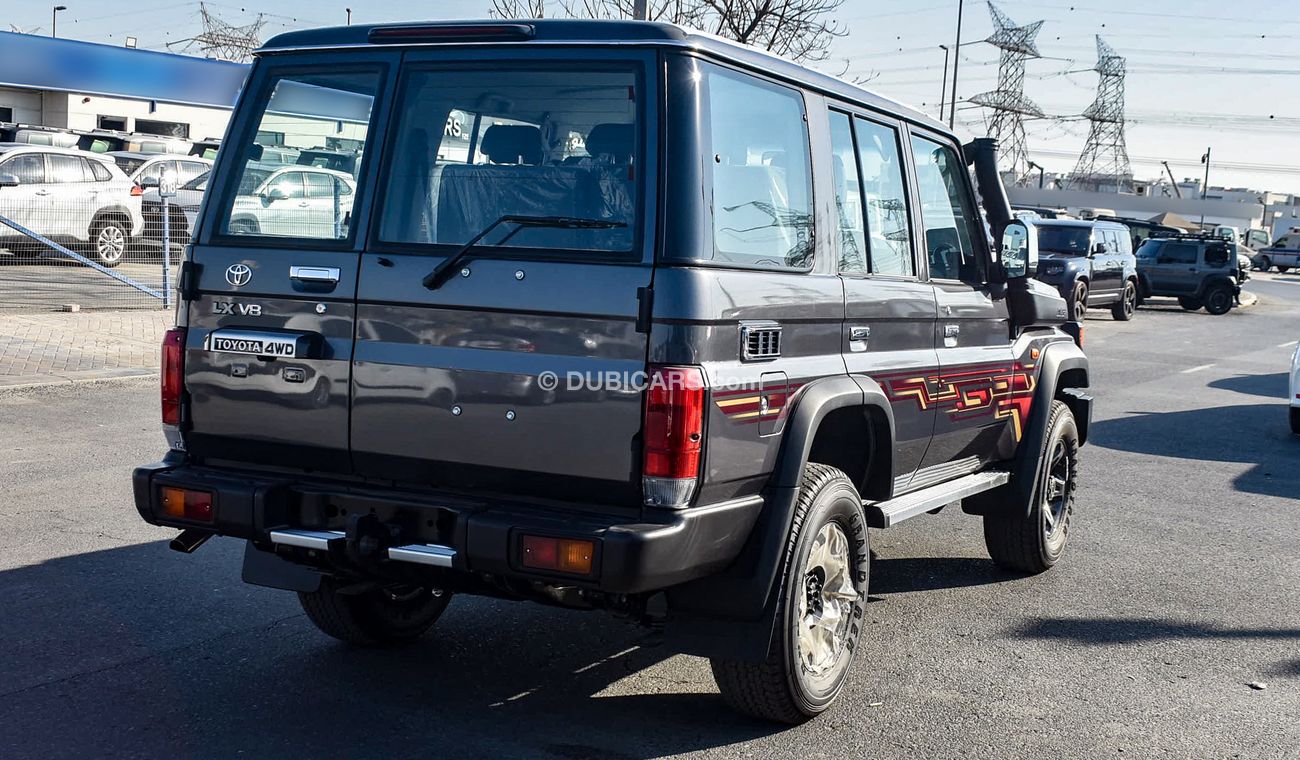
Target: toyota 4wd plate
x,y
251,343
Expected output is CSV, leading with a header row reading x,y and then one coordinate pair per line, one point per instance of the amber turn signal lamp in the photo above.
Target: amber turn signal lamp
x,y
184,504
561,555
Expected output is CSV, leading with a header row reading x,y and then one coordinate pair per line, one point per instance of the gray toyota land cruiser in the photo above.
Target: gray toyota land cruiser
x,y
605,315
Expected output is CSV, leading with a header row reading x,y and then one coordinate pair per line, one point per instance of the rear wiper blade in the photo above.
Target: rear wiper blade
x,y
443,271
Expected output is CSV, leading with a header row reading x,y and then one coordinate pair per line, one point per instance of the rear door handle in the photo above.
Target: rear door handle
x,y
314,274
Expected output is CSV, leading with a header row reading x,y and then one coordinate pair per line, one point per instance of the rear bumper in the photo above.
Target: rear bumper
x,y
636,552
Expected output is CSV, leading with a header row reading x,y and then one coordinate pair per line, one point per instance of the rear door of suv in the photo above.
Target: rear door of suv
x,y
271,310
498,378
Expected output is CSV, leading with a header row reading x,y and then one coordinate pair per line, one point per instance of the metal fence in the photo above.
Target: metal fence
x,y
75,236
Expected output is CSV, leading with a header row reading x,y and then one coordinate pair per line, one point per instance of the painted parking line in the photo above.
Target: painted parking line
x,y
1287,345
1196,369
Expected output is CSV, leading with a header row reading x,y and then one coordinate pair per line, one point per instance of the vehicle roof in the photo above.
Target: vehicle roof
x,y
607,32
11,147
1076,223
151,156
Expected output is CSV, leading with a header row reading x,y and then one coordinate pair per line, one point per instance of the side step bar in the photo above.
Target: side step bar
x,y
883,514
435,555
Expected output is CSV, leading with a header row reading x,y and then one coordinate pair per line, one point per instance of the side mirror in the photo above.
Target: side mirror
x,y
9,180
1019,250
275,194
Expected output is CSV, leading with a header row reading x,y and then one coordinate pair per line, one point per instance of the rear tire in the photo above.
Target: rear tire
x,y
1190,303
109,241
1284,270
1295,420
1030,538
1219,300
376,617
822,590
1127,304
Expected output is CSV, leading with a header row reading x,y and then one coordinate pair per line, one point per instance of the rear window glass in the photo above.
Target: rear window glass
x,y
475,146
300,112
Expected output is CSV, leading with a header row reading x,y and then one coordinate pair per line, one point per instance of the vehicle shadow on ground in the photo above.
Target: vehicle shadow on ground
x,y
907,574
1128,631
1269,386
142,651
1255,433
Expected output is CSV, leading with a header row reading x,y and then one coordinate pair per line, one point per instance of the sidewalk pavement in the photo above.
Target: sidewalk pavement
x,y
40,349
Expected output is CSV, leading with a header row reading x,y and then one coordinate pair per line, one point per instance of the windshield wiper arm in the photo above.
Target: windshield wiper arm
x,y
443,271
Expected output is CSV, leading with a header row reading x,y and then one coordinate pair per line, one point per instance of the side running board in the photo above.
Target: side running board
x,y
883,514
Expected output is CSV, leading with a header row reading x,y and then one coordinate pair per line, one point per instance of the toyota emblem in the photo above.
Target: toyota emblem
x,y
238,274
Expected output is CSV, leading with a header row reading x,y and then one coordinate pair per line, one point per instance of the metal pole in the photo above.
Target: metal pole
x,y
943,93
1177,193
54,19
1205,186
349,10
641,10
956,63
167,252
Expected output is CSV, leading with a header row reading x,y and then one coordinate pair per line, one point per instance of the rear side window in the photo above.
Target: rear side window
x,y
885,202
1216,256
951,223
98,172
298,112
848,195
762,182
66,169
1176,253
474,146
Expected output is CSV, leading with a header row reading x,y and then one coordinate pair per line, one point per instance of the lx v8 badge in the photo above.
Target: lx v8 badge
x,y
235,308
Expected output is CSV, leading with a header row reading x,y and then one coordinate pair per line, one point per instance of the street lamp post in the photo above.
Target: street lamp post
x,y
1040,169
349,10
943,93
1205,186
956,62
54,19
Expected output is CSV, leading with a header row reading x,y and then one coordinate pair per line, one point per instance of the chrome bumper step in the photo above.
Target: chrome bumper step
x,y
435,555
883,514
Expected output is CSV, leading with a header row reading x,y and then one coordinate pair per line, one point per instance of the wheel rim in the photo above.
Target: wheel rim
x,y
1056,495
1130,298
110,243
1080,302
826,602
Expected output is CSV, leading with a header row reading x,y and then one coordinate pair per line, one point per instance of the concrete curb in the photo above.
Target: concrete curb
x,y
22,382
1248,299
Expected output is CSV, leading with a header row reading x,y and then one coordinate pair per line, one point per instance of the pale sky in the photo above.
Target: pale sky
x,y
1201,72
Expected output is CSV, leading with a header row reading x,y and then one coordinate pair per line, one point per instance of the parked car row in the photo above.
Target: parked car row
x,y
109,203
1092,263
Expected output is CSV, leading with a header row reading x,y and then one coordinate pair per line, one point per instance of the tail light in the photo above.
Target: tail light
x,y
136,191
564,555
173,375
673,436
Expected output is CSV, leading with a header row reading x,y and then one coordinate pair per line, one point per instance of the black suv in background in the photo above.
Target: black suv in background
x,y
1199,270
780,303
1091,263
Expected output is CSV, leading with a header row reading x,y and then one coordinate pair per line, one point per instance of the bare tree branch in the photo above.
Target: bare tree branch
x,y
800,29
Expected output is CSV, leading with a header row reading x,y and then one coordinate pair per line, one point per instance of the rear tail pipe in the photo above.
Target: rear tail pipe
x,y
189,540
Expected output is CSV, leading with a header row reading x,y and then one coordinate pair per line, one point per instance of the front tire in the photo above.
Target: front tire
x,y
375,617
1030,538
1079,302
1190,303
1123,310
822,591
1219,300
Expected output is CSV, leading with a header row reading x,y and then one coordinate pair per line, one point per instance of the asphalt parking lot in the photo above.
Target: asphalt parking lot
x,y
1180,589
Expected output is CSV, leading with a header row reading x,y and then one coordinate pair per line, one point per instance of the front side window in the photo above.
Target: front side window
x,y
762,182
885,201
1063,238
951,222
29,168
474,146
298,112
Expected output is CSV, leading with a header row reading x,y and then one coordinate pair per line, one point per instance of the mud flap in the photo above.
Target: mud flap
x,y
263,568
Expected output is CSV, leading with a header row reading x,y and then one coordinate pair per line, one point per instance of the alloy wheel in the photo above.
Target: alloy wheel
x,y
826,605
110,243
1056,496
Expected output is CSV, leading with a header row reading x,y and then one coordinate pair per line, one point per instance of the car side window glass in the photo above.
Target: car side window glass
x,y
848,196
762,178
1216,256
319,185
343,187
66,169
1176,253
99,171
889,234
188,170
29,168
947,212
289,183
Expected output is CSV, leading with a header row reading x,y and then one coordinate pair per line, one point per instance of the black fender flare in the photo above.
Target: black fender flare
x,y
1062,373
740,599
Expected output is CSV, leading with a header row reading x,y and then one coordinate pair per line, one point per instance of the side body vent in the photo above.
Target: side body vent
x,y
760,341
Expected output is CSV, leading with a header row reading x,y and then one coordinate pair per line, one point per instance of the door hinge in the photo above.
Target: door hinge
x,y
645,297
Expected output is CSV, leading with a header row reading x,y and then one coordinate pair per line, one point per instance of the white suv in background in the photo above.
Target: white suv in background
x,y
69,196
293,201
